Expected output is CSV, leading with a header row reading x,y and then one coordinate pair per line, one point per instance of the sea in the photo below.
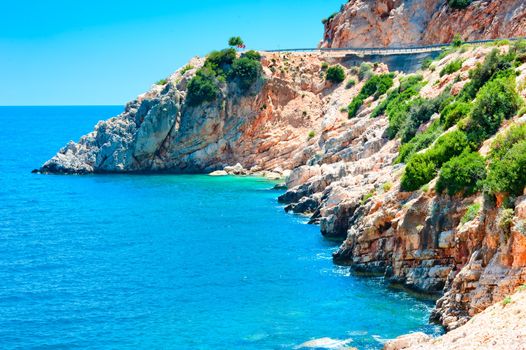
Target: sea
x,y
168,261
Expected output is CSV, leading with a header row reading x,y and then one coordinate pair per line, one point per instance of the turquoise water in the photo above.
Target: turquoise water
x,y
167,262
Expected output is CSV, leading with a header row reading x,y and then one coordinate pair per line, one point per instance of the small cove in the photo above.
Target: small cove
x,y
171,262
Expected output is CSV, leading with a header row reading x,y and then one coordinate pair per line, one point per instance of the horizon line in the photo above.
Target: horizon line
x,y
68,105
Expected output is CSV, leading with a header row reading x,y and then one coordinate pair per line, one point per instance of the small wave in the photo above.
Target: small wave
x,y
325,343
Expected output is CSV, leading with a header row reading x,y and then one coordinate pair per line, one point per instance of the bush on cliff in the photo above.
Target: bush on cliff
x,y
245,72
335,74
419,170
419,142
375,86
451,67
220,61
202,88
420,111
504,142
454,112
448,146
251,54
459,4
496,101
493,63
508,175
462,174
365,71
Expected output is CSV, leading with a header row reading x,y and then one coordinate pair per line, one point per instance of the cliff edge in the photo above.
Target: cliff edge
x,y
385,23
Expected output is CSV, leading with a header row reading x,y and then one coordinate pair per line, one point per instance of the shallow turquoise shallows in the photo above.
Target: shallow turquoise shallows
x,y
167,262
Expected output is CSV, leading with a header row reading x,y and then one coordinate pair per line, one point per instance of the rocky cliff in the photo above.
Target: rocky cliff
x,y
500,327
345,173
266,128
419,239
371,23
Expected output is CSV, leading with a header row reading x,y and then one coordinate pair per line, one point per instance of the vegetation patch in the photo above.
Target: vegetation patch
x,y
335,74
452,67
496,101
220,67
203,87
375,86
459,4
508,174
470,214
462,174
454,112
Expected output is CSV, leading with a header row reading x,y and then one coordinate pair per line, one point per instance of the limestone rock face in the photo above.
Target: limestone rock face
x,y
265,128
384,23
500,327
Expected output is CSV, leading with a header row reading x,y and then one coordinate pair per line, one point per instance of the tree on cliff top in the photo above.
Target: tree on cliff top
x,y
236,41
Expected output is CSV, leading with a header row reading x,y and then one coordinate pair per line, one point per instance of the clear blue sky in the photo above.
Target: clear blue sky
x,y
79,52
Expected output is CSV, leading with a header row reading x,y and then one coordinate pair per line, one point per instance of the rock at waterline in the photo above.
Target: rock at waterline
x,y
406,341
326,343
218,173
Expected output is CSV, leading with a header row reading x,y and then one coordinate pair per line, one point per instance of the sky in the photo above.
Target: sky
x,y
65,52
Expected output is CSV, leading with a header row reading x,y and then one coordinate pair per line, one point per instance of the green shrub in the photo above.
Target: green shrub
x,y
220,61
496,101
368,196
419,171
411,81
419,142
376,86
365,71
506,301
472,212
350,83
354,106
463,174
504,142
454,112
335,74
420,111
324,65
245,72
508,174
186,69
311,134
451,67
493,63
457,41
448,146
162,82
253,55
459,4
398,102
426,64
202,88
505,219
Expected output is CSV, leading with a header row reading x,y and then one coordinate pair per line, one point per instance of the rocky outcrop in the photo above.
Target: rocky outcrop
x,y
385,23
500,327
414,239
265,128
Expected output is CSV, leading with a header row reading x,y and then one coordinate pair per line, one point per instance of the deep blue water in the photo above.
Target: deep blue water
x,y
166,262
